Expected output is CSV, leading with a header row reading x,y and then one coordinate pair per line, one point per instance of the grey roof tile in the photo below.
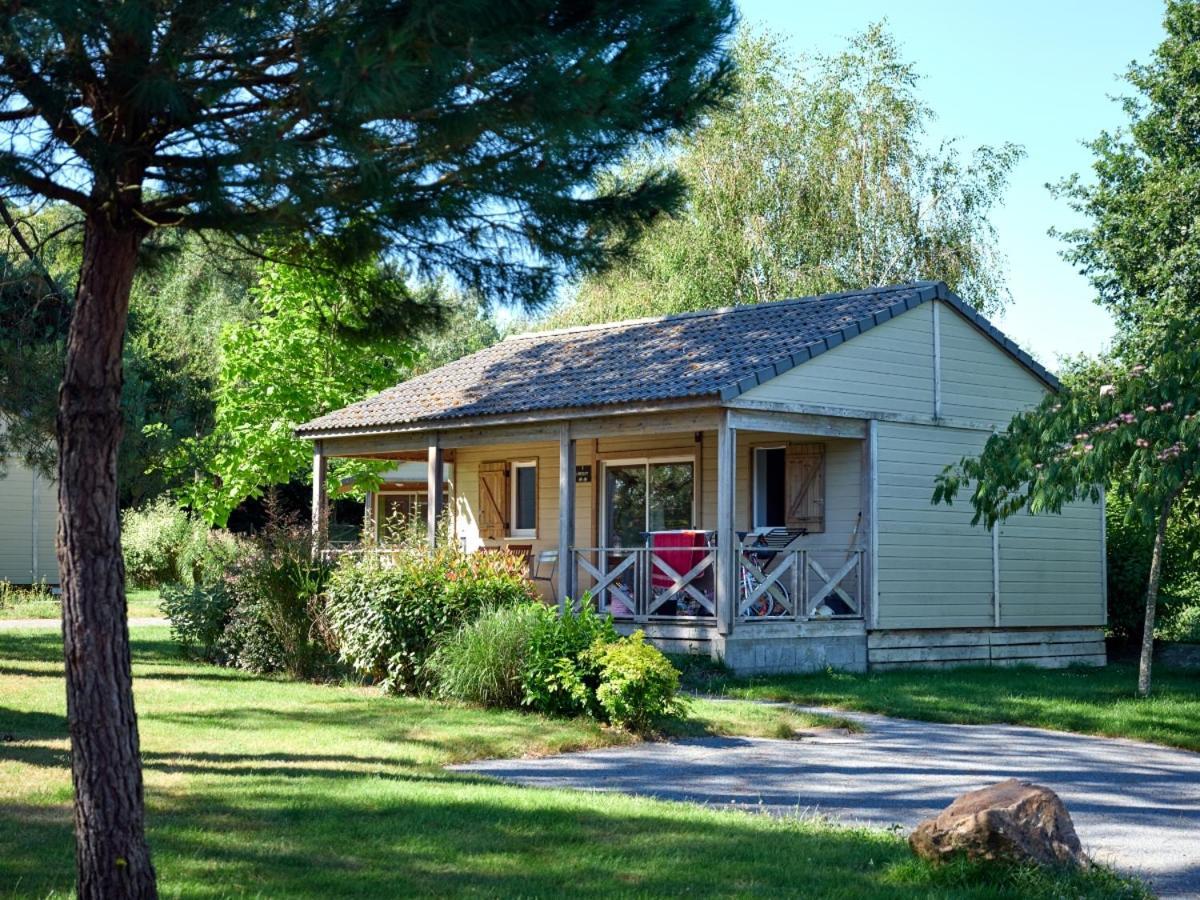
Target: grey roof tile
x,y
716,354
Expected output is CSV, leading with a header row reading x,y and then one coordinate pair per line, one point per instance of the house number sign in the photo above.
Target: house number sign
x,y
583,474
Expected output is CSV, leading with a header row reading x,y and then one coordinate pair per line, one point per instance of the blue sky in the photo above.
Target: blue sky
x,y
1038,74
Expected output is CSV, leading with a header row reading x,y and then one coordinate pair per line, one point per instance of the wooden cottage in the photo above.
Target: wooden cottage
x,y
754,482
28,520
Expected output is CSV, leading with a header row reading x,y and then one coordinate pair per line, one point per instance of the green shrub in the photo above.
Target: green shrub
x,y
198,616
1128,545
638,684
387,611
162,544
483,661
277,620
1184,625
560,676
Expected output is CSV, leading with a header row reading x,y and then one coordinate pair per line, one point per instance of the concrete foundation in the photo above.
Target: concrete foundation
x,y
759,648
949,647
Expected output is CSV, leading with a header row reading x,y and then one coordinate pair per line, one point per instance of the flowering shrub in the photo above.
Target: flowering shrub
x,y
386,611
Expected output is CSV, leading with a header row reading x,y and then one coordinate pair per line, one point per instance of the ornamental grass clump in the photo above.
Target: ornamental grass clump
x,y
483,661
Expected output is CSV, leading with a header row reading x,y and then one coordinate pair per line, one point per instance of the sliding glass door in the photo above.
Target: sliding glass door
x,y
644,496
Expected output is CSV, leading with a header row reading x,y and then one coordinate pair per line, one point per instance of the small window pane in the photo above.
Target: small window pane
x,y
670,496
770,492
525,518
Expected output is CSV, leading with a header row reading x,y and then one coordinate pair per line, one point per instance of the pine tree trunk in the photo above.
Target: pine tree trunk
x,y
111,855
1156,558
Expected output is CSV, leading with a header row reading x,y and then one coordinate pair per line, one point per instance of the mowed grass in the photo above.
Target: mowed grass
x,y
267,788
1096,701
141,603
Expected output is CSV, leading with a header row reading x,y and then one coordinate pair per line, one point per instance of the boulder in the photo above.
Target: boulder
x,y
1013,820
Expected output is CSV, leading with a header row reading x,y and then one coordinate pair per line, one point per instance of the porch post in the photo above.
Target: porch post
x,y
370,533
566,515
872,504
727,559
320,500
433,492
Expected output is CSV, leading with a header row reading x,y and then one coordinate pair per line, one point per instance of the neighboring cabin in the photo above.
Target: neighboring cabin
x,y
754,482
28,518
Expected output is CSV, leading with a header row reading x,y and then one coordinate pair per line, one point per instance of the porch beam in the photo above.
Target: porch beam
x,y
566,515
797,423
433,493
842,412
727,560
320,497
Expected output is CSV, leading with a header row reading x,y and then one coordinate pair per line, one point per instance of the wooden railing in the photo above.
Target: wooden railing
x,y
800,585
639,584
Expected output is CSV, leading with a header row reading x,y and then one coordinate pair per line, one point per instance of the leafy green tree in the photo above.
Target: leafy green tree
x,y
187,287
815,179
304,355
1134,426
470,137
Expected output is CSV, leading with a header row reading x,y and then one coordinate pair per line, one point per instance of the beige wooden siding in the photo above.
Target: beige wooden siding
x,y
934,567
1050,568
979,380
17,526
843,486
889,369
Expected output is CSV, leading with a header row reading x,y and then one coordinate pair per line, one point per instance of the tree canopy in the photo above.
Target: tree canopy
x,y
816,178
469,139
1133,422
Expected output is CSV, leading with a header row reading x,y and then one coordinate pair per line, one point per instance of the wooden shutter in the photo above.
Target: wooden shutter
x,y
805,480
493,500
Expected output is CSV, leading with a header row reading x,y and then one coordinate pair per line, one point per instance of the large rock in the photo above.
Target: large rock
x,y
1013,820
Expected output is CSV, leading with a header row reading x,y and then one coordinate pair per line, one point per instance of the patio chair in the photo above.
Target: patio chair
x,y
536,565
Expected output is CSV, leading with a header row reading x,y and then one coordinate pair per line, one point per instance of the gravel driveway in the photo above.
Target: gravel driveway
x,y
1136,806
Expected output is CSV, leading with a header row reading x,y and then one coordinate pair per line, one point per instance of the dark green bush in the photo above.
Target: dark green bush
x,y
638,684
484,660
262,612
560,677
387,611
1129,544
199,616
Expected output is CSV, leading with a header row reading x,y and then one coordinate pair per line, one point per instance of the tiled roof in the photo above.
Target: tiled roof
x,y
716,354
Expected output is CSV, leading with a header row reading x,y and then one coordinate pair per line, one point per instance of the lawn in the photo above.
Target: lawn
x,y
141,603
1082,700
264,787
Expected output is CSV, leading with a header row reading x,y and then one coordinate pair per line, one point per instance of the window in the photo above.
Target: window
x,y
524,500
770,487
789,487
398,513
646,496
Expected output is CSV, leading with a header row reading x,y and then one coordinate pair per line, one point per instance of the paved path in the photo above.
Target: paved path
x,y
21,624
1136,806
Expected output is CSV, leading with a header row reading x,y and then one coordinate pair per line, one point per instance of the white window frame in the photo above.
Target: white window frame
x,y
642,461
513,530
754,501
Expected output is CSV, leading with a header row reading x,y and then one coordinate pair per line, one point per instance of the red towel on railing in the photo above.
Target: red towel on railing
x,y
681,550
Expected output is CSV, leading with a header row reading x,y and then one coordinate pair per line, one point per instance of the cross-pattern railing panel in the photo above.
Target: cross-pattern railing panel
x,y
799,584
640,583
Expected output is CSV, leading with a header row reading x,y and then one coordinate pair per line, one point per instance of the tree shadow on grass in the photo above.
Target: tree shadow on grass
x,y
46,646
450,836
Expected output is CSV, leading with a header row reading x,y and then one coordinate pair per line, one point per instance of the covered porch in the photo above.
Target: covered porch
x,y
743,533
